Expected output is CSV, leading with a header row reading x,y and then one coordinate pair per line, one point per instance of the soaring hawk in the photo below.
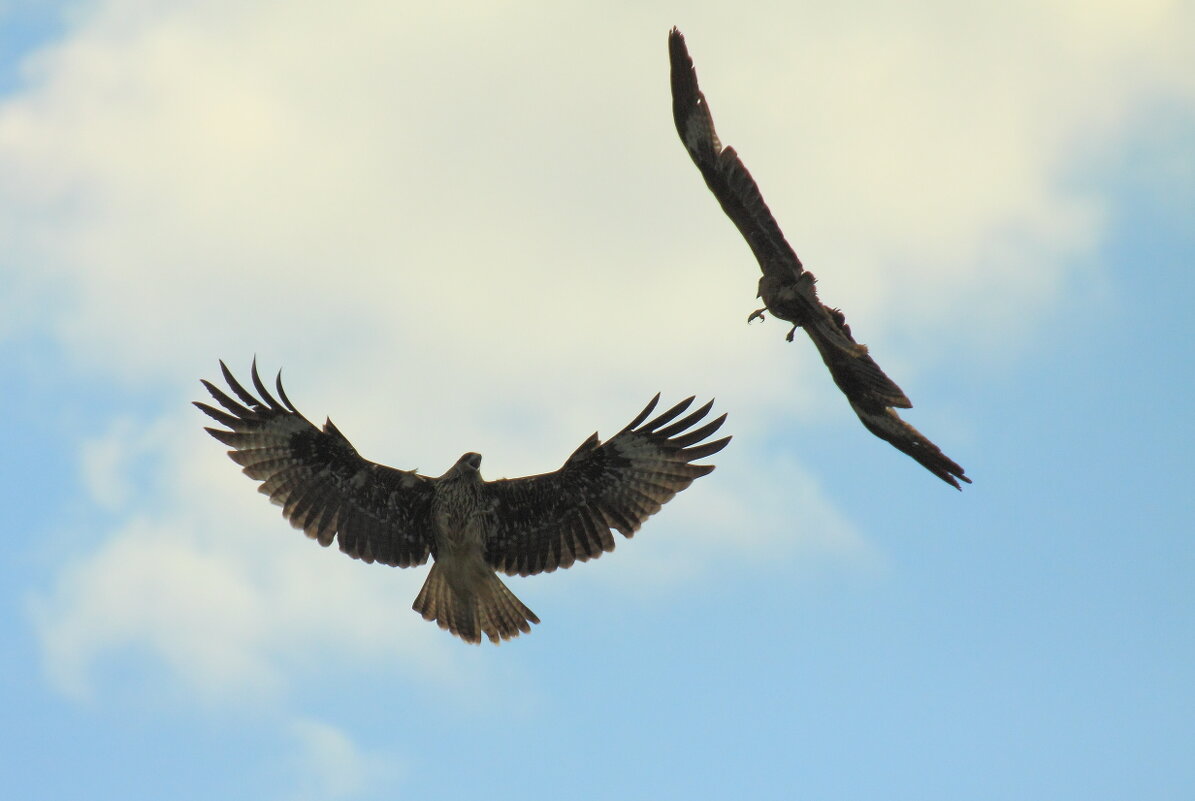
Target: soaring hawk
x,y
787,289
470,527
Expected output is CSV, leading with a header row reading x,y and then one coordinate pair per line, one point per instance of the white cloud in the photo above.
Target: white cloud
x,y
475,230
110,462
331,766
755,510
179,166
196,611
212,583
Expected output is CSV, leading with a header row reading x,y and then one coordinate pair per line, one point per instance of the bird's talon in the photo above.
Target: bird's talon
x,y
791,331
757,313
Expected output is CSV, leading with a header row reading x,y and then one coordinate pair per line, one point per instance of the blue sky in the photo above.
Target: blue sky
x,y
476,230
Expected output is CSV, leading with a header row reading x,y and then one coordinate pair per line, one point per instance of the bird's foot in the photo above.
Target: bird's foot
x,y
757,313
791,331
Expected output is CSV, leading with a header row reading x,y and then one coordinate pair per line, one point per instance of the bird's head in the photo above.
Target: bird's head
x,y
469,462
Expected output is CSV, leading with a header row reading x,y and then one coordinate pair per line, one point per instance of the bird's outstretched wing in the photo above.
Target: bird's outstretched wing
x,y
324,487
724,172
548,521
786,287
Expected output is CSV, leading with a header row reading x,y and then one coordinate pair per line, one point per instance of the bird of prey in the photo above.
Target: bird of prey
x,y
786,287
469,526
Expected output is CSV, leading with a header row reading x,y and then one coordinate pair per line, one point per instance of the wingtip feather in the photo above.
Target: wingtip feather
x,y
647,410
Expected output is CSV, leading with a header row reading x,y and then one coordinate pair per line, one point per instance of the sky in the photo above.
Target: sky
x,y
472,227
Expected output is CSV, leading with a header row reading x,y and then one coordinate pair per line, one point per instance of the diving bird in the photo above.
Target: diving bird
x,y
786,287
469,526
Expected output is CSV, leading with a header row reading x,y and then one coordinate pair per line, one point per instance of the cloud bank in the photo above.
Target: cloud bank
x,y
474,230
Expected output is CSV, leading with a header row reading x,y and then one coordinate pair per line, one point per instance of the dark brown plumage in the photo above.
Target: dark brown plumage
x,y
470,527
786,287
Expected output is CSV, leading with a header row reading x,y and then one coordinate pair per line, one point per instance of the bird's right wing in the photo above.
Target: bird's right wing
x,y
540,523
378,513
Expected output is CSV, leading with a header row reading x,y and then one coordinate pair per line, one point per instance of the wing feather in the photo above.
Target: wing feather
x,y
541,523
323,485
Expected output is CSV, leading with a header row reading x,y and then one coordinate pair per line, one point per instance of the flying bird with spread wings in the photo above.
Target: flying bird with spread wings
x,y
469,526
786,287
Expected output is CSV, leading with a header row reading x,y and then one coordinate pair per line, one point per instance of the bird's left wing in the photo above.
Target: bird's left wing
x,y
378,513
723,170
548,521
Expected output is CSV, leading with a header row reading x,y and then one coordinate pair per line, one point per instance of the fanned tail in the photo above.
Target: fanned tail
x,y
471,603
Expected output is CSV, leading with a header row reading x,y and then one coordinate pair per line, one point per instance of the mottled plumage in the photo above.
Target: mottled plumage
x,y
787,289
469,526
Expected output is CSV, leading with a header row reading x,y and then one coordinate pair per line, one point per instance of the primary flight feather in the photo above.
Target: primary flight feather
x,y
469,526
786,287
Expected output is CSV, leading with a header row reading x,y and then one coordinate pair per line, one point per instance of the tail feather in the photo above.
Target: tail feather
x,y
482,604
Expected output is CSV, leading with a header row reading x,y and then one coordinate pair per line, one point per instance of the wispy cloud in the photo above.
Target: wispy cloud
x,y
330,766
